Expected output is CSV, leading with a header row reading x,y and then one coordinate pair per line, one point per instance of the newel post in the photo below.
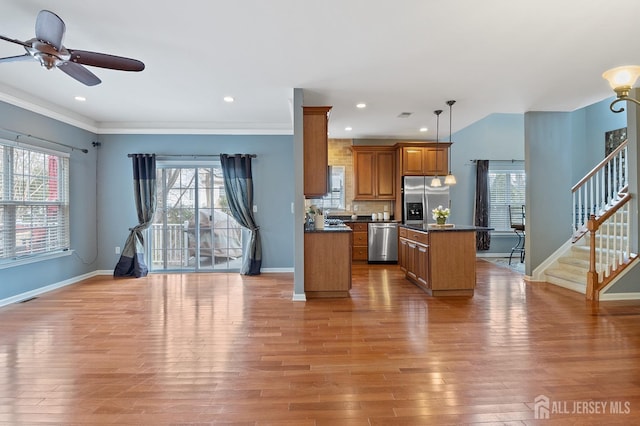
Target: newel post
x,y
592,275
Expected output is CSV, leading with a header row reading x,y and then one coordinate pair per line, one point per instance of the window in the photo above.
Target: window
x,y
335,198
506,187
34,201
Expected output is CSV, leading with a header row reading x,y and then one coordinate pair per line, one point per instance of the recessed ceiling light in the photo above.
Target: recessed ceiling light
x,y
348,128
228,99
361,105
423,129
80,98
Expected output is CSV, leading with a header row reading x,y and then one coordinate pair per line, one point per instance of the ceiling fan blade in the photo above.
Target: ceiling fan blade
x,y
13,40
103,60
50,28
16,58
79,72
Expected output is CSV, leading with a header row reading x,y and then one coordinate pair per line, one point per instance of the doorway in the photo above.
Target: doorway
x,y
193,229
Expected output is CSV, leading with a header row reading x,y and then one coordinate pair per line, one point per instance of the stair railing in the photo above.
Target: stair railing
x,y
599,189
609,250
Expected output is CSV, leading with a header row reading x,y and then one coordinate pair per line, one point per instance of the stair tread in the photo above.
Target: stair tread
x,y
566,275
574,261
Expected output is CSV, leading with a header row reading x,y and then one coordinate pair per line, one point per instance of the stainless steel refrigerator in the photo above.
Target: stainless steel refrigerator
x,y
419,198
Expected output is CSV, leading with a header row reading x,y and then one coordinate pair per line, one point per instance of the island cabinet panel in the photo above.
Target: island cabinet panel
x,y
315,150
374,169
327,264
453,261
402,249
441,263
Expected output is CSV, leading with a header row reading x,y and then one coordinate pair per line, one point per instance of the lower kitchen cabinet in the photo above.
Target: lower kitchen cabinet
x,y
443,262
360,249
327,263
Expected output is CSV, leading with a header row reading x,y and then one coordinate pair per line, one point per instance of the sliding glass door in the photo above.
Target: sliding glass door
x,y
193,229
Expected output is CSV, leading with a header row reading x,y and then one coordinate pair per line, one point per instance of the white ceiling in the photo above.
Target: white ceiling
x,y
491,56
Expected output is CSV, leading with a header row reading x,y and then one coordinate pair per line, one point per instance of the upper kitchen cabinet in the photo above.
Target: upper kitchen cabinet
x,y
374,169
424,159
315,150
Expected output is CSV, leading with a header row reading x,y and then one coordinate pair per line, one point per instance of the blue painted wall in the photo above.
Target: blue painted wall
x,y
495,137
101,192
273,179
82,186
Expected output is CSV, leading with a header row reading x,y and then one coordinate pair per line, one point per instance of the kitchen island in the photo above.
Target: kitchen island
x,y
327,261
441,260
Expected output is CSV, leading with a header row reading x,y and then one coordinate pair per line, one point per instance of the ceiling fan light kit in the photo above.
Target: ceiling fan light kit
x,y
48,49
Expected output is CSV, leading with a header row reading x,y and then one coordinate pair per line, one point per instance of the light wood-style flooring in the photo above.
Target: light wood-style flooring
x,y
209,349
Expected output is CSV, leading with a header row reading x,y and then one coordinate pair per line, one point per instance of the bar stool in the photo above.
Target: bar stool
x,y
516,220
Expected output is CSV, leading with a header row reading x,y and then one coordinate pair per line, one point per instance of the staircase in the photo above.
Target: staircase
x,y
598,251
570,269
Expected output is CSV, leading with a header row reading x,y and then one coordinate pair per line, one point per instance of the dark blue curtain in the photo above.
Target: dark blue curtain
x,y
238,184
483,238
131,263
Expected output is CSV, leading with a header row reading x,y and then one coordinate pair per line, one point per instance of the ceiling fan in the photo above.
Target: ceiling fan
x,y
47,48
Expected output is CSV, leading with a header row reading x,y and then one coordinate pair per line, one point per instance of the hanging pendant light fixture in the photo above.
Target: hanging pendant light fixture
x,y
450,179
436,181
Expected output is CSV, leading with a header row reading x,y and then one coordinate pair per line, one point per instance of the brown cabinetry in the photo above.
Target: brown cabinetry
x,y
374,172
327,264
315,150
425,160
360,249
440,262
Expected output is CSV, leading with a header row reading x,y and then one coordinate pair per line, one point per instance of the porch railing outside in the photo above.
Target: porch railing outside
x,y
171,245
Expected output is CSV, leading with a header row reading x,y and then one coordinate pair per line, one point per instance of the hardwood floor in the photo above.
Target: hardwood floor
x,y
229,349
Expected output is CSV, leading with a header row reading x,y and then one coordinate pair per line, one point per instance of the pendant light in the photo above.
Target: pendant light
x,y
450,179
436,181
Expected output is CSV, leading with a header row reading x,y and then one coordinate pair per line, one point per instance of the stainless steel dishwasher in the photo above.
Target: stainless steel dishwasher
x,y
383,242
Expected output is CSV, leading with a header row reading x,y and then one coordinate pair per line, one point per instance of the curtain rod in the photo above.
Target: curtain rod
x,y
193,155
19,134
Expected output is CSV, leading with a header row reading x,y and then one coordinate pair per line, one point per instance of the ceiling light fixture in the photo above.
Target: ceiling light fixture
x,y
424,129
80,98
348,128
621,80
228,99
450,179
361,105
436,181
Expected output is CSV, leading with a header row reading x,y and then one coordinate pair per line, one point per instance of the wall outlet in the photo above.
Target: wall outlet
x,y
117,250
293,210
255,208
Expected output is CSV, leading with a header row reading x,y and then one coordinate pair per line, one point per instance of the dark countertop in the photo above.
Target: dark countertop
x,y
362,219
331,228
446,228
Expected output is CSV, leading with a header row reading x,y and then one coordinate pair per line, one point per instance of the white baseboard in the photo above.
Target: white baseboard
x,y
479,254
276,270
299,297
619,296
38,291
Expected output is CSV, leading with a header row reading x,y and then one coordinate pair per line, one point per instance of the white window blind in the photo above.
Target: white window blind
x,y
506,187
34,201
